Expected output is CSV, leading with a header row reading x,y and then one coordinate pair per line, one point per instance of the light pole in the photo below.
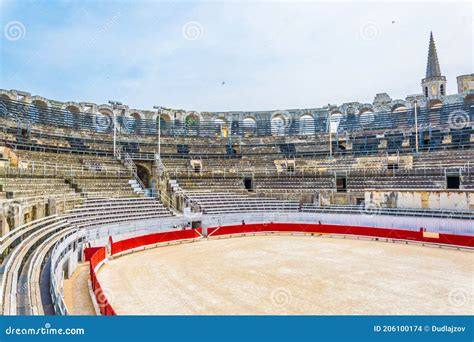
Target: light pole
x,y
115,105
415,102
159,110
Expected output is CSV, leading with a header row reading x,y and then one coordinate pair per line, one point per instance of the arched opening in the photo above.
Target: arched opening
x,y
164,121
426,91
441,89
435,104
249,126
72,109
336,118
191,120
399,108
39,103
144,175
135,123
70,115
37,109
222,128
306,124
278,124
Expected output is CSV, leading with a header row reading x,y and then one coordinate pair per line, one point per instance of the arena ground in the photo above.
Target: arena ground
x,y
291,275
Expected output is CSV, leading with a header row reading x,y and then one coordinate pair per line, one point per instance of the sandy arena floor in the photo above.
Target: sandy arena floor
x,y
291,275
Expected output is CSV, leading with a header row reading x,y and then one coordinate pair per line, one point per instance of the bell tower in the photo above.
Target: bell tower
x,y
434,84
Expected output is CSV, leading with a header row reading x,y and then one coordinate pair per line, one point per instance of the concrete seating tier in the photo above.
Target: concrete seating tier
x,y
109,210
402,182
31,187
227,202
112,187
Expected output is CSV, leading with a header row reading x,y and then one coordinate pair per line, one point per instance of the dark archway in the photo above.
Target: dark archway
x,y
144,175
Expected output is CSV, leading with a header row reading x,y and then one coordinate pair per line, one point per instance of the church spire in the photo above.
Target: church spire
x,y
432,67
434,84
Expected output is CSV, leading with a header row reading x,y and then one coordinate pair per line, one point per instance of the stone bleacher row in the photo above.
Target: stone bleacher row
x,y
225,202
105,211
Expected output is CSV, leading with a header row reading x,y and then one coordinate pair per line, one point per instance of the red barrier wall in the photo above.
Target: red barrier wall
x,y
89,252
104,305
152,239
449,239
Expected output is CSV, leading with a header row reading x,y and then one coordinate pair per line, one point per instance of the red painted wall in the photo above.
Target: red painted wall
x,y
152,239
450,239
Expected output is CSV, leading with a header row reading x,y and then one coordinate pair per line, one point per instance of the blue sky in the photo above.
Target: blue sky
x,y
240,55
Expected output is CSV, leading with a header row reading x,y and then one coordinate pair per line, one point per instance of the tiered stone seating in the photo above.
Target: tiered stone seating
x,y
294,183
215,184
105,187
16,187
397,182
67,164
105,210
226,202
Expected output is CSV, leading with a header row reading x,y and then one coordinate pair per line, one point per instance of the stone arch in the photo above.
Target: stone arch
x,y
72,108
335,119
7,96
435,104
221,121
191,120
366,108
249,125
42,103
165,120
38,109
137,115
105,110
306,122
399,107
